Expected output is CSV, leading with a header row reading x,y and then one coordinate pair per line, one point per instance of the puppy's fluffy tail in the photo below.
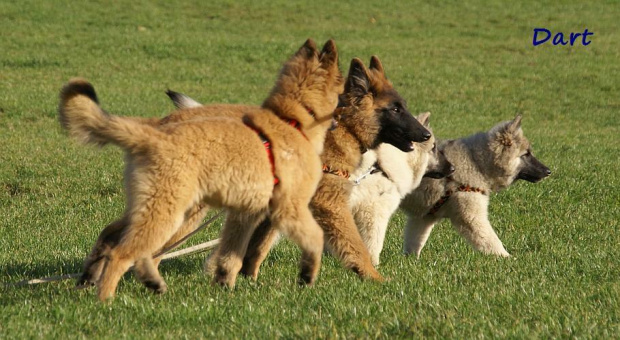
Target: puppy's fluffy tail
x,y
80,114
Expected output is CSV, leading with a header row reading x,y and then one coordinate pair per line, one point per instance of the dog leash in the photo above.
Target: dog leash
x,y
375,168
368,172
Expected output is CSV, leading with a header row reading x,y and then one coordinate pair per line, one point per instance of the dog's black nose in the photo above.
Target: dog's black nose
x,y
426,136
548,172
451,170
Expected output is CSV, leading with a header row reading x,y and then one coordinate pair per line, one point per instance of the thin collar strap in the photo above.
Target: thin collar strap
x,y
338,172
462,188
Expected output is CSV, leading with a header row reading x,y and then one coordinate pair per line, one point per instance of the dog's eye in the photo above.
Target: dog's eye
x,y
396,109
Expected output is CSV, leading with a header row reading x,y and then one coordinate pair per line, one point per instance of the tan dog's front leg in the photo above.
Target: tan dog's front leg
x,y
343,239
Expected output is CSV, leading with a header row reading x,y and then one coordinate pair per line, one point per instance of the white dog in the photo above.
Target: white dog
x,y
385,176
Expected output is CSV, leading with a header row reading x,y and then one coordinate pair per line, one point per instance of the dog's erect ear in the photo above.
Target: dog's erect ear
x,y
506,132
375,64
358,82
515,125
329,54
308,50
423,118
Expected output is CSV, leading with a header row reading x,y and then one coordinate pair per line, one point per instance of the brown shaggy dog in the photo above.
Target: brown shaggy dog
x,y
218,162
372,113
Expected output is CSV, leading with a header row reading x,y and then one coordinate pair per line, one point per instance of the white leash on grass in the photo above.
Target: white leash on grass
x,y
187,251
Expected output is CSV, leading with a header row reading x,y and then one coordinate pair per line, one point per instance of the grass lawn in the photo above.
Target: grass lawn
x,y
471,63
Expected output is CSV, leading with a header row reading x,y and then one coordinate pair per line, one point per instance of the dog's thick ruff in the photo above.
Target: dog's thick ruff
x,y
219,162
385,176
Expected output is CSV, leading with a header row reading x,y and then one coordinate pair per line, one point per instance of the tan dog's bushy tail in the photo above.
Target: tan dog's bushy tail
x,y
80,114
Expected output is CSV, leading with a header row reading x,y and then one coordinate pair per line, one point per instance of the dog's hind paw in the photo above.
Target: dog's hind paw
x,y
158,287
84,282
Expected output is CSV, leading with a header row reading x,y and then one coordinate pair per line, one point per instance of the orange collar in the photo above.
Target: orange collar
x,y
329,170
446,196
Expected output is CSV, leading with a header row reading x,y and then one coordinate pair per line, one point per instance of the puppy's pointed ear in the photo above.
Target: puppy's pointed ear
x,y
358,82
506,132
329,54
308,50
515,125
375,64
423,118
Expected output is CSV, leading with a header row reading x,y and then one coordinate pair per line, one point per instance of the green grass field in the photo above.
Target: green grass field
x,y
471,63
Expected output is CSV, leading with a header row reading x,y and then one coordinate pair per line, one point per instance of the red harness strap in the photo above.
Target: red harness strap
x,y
296,125
267,145
446,196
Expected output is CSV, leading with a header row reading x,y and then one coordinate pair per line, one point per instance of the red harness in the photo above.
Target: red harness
x,y
267,144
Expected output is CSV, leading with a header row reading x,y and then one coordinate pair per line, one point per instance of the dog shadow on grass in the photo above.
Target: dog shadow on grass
x,y
52,278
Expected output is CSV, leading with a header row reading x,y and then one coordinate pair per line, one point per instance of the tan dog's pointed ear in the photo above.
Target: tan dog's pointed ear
x,y
358,82
423,118
329,53
308,50
375,64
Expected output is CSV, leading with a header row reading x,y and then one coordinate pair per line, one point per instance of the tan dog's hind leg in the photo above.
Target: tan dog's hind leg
x,y
261,242
95,261
146,271
470,218
113,270
417,231
306,233
193,217
234,240
148,230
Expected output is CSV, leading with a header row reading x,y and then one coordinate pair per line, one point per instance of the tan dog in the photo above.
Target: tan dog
x,y
484,163
218,162
372,113
386,176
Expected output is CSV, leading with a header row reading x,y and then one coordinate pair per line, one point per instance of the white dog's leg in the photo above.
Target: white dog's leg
x,y
472,222
417,231
376,237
